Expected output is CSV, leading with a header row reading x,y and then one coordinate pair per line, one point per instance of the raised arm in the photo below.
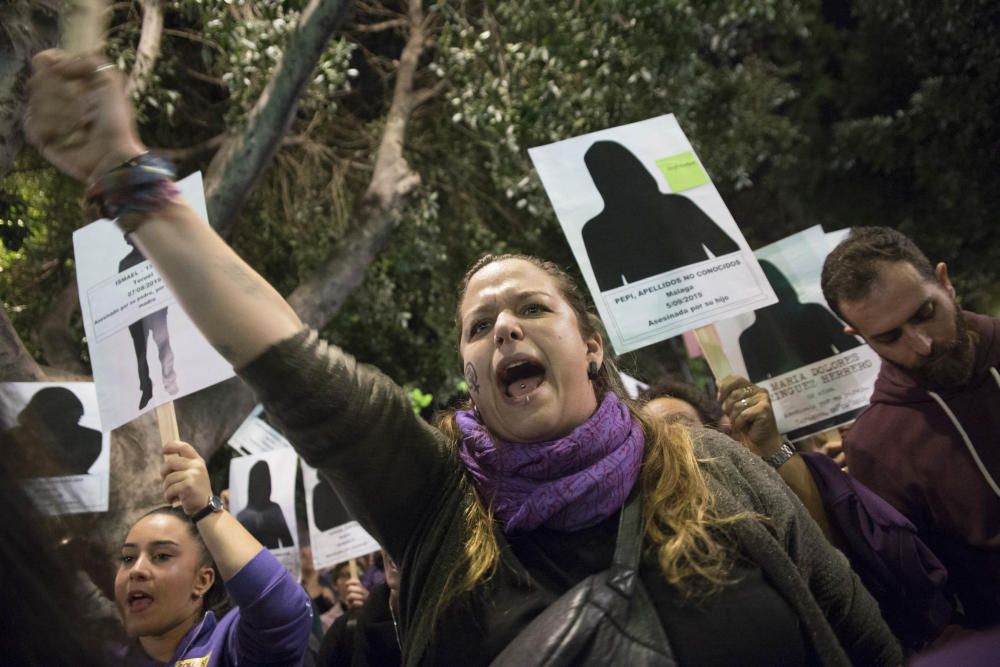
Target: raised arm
x,y
275,615
80,120
749,409
186,481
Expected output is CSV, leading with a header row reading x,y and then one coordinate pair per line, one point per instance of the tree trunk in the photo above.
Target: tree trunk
x,y
16,363
60,348
318,298
236,168
148,51
26,27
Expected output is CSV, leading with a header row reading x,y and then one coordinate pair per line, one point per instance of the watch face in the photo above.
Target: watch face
x,y
215,502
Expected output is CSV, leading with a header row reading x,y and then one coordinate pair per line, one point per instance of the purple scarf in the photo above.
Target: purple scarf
x,y
566,484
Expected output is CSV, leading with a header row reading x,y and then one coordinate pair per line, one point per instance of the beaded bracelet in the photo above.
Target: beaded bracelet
x,y
131,190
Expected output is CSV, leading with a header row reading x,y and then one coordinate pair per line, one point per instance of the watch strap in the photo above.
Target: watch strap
x,y
785,452
214,505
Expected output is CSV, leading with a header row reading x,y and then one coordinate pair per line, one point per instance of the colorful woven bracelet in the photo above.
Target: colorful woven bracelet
x,y
131,190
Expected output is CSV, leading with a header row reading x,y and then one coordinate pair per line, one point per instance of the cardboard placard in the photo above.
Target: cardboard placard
x,y
144,350
819,377
262,498
335,536
658,249
50,434
256,436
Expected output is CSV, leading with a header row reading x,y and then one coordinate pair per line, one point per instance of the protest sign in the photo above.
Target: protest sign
x,y
262,498
818,376
633,387
256,436
51,437
144,350
835,238
658,249
335,536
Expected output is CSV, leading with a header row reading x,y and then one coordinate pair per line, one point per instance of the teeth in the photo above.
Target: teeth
x,y
514,365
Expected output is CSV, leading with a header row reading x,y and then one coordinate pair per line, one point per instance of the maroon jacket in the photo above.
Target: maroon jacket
x,y
918,449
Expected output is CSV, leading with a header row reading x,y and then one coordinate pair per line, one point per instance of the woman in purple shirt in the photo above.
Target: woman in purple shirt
x,y
172,565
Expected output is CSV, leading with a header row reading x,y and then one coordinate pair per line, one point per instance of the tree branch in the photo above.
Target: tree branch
x,y
148,51
380,26
318,299
189,152
26,27
425,95
194,37
16,364
201,76
55,335
236,168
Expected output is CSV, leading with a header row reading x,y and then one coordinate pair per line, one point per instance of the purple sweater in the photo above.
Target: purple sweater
x,y
914,448
270,624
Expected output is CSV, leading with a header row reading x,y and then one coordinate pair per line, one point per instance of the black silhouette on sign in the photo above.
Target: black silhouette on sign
x,y
642,232
155,324
48,440
263,517
789,334
328,511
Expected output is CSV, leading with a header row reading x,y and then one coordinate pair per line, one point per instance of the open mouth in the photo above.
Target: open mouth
x,y
138,601
520,377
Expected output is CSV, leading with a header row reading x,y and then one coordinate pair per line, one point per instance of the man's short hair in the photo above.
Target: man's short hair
x,y
852,268
709,411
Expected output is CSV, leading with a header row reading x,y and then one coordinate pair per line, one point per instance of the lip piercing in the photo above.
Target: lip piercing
x,y
523,385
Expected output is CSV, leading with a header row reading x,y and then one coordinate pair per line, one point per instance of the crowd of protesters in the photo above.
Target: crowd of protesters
x,y
549,518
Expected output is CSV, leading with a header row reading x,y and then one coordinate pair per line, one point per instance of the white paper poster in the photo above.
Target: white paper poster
x,y
262,498
256,436
818,376
51,435
658,249
835,238
633,387
144,350
335,537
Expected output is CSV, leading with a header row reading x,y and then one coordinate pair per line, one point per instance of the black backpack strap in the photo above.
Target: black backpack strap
x,y
624,569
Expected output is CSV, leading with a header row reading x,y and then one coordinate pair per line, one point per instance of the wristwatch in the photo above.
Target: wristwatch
x,y
214,505
776,460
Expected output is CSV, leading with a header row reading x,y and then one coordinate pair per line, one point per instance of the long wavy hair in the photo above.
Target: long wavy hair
x,y
682,525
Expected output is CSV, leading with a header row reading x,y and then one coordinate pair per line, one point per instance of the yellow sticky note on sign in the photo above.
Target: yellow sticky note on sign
x,y
682,171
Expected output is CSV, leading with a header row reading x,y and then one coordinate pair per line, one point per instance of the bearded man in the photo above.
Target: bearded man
x,y
928,441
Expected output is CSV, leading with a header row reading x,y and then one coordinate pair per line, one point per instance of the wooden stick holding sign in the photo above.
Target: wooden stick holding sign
x,y
85,24
352,568
167,421
711,347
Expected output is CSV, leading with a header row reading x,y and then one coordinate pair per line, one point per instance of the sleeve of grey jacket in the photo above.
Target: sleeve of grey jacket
x,y
848,608
358,428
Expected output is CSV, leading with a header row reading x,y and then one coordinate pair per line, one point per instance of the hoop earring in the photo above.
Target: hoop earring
x,y
592,370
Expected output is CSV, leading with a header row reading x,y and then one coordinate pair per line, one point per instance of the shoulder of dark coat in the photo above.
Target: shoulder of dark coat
x,y
741,480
